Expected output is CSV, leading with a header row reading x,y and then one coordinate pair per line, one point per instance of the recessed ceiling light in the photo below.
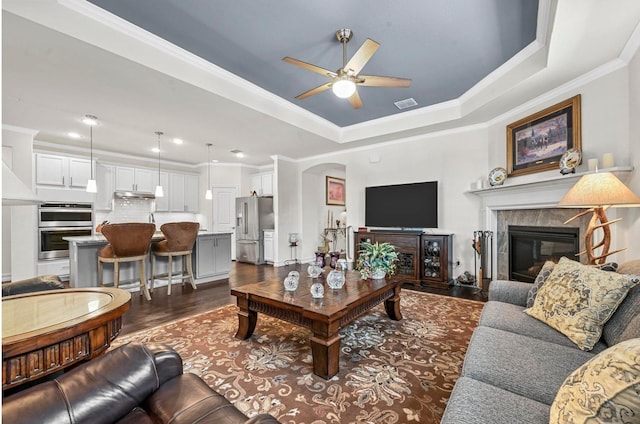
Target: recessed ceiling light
x,y
73,135
155,150
214,160
178,140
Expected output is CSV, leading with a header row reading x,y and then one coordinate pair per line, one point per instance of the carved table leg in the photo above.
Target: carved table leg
x,y
246,319
326,355
392,305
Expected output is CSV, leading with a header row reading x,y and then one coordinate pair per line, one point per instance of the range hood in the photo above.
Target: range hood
x,y
132,195
14,191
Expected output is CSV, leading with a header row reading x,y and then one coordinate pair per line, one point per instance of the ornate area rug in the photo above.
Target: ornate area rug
x,y
390,371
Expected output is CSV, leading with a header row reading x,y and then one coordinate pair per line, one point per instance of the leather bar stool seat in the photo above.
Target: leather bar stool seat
x,y
179,240
128,242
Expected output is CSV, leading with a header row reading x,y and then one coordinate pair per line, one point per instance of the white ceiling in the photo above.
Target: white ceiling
x,y
63,59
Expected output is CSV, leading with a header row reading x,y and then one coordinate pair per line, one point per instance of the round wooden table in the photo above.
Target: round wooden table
x,y
45,332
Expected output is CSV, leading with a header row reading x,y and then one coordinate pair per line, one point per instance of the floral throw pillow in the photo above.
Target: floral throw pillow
x,y
577,300
541,278
606,389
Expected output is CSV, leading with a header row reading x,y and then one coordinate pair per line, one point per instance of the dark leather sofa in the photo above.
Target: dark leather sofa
x,y
43,282
134,383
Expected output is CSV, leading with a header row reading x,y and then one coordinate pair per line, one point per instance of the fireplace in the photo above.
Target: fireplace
x,y
530,247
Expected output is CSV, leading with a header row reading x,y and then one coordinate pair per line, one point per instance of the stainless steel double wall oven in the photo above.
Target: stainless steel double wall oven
x,y
59,220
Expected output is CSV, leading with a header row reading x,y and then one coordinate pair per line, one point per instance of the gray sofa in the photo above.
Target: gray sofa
x,y
515,364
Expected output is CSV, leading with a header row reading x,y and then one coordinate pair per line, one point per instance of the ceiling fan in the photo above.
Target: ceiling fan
x,y
344,80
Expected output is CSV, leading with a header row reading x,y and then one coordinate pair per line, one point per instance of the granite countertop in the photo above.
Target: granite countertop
x,y
100,239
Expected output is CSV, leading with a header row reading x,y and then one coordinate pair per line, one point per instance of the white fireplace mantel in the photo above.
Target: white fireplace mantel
x,y
536,194
544,193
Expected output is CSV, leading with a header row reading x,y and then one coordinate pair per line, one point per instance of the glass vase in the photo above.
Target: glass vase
x,y
335,279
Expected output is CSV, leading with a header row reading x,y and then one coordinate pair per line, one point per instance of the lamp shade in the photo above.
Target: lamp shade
x,y
599,189
159,191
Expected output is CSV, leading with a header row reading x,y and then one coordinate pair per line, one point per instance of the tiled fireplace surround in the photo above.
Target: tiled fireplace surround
x,y
532,204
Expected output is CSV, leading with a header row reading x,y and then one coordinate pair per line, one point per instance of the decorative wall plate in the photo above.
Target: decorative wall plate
x,y
497,176
569,161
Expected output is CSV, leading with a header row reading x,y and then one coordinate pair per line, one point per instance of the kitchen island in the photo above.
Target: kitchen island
x,y
211,261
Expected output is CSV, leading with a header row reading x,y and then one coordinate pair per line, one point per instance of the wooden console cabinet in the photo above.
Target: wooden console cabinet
x,y
407,245
436,258
424,259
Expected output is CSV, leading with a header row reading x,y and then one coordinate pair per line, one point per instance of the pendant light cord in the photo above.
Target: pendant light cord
x,y
159,133
91,147
209,164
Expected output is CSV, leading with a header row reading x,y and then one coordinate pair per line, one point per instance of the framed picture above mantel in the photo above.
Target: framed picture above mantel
x,y
536,143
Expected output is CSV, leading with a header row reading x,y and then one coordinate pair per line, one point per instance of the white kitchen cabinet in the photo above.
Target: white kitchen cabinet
x,y
183,192
262,184
176,192
268,246
191,193
266,180
212,255
62,171
135,179
105,180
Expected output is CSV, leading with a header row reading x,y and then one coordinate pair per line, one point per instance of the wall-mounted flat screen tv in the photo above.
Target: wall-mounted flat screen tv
x,y
412,205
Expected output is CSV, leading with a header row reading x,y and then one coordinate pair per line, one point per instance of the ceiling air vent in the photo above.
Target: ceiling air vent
x,y
406,103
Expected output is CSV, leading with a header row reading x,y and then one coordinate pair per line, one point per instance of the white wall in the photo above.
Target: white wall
x,y
315,211
455,159
21,240
287,206
630,226
607,101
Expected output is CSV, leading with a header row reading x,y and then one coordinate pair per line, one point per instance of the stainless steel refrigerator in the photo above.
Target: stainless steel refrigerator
x,y
253,215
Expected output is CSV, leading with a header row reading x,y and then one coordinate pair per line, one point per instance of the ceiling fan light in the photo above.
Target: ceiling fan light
x,y
343,88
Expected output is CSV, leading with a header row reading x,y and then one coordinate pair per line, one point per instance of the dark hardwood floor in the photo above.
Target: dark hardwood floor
x,y
184,301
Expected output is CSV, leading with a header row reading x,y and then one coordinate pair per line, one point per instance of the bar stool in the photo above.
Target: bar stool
x,y
128,242
179,240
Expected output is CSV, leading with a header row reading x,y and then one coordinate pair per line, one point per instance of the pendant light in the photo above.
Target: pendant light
x,y
208,195
159,190
91,120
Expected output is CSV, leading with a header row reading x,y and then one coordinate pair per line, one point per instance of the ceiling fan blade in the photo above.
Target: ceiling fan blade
x,y
380,81
362,56
313,91
355,100
310,67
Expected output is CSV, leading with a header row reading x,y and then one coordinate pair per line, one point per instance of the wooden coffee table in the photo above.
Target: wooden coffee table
x,y
48,331
324,317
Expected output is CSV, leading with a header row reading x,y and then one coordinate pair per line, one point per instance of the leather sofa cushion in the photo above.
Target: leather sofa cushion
x,y
187,399
136,416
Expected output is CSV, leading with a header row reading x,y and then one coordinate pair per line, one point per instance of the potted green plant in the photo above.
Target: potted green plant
x,y
376,259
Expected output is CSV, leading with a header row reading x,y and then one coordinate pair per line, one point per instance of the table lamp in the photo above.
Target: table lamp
x,y
598,192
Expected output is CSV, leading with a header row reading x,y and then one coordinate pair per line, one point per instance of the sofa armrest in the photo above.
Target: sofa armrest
x,y
514,292
41,283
